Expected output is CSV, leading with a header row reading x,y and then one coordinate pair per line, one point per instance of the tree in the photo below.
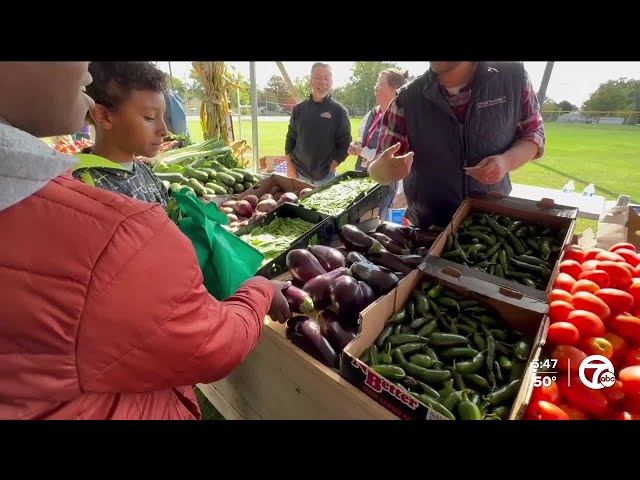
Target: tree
x,y
239,83
303,84
277,93
178,86
614,95
550,110
195,88
362,82
566,106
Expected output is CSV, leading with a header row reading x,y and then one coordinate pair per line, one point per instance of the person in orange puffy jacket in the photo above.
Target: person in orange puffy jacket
x,y
103,313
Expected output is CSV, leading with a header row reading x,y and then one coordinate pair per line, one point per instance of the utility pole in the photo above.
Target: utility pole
x,y
542,93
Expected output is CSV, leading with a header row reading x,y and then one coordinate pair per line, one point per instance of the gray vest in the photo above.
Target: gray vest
x,y
442,146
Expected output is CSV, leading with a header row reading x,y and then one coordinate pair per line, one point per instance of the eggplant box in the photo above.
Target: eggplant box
x,y
525,314
545,212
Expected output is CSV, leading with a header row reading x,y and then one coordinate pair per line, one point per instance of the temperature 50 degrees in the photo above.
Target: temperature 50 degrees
x,y
542,380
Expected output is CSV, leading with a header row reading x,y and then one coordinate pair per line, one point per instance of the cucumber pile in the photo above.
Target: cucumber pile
x,y
520,251
209,177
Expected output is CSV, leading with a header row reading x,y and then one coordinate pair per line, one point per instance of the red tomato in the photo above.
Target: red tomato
x,y
548,394
622,245
559,311
618,343
571,267
596,276
614,257
614,393
630,378
627,326
587,323
617,300
542,410
631,257
596,346
634,291
632,358
563,333
574,252
590,401
631,269
620,277
590,265
584,286
564,281
557,294
568,357
592,252
589,302
573,412
625,416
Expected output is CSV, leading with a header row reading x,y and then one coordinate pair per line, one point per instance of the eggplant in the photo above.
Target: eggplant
x,y
395,232
299,300
388,244
368,295
355,239
329,258
347,299
338,334
353,257
411,260
422,251
318,346
390,261
380,279
303,266
423,238
319,288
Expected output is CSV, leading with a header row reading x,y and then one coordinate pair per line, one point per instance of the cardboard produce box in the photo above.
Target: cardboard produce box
x,y
545,212
268,185
525,314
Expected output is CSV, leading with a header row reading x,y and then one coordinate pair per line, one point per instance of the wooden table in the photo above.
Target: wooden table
x,y
278,381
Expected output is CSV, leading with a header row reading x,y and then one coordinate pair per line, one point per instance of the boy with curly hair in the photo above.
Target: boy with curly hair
x,y
128,120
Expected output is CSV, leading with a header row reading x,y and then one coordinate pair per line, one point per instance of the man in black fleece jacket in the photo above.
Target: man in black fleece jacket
x,y
319,131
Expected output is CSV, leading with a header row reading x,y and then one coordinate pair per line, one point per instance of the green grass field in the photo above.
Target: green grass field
x,y
605,155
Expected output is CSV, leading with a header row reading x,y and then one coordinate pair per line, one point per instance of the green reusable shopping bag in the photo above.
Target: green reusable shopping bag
x,y
225,260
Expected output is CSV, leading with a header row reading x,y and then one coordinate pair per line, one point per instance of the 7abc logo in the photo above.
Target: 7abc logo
x,y
596,372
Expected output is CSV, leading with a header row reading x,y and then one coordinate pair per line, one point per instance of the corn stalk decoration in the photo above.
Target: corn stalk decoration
x,y
215,106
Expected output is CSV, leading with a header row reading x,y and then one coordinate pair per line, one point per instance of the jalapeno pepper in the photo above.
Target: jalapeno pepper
x,y
422,360
408,348
447,390
522,350
422,306
517,244
496,227
452,401
448,302
449,244
399,339
428,390
438,339
477,380
429,328
467,410
426,375
390,372
411,309
459,352
491,352
505,393
436,406
418,322
471,366
384,335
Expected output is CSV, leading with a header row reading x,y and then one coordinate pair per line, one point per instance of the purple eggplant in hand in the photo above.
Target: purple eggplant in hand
x,y
299,300
411,260
353,257
346,298
368,295
319,288
329,258
303,266
355,239
398,233
336,332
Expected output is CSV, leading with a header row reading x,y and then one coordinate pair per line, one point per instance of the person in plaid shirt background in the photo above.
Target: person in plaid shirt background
x,y
500,129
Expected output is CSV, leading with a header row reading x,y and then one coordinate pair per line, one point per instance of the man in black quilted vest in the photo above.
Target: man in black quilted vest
x,y
457,131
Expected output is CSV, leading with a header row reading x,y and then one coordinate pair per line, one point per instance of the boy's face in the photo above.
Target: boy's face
x,y
45,98
137,126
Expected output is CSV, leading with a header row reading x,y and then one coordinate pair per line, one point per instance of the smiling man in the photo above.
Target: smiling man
x,y
319,131
457,131
129,120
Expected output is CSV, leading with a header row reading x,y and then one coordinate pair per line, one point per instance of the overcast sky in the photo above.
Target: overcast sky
x,y
572,81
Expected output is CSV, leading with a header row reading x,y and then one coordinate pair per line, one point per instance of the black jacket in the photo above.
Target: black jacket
x,y
318,134
442,147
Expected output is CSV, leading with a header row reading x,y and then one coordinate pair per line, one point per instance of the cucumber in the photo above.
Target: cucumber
x,y
238,187
172,177
237,177
226,179
211,172
247,185
197,187
248,176
175,187
191,172
219,190
230,190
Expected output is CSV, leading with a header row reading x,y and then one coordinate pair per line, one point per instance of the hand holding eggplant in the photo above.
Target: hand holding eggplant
x,y
279,311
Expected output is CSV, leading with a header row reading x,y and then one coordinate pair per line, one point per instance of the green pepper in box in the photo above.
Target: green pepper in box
x,y
471,363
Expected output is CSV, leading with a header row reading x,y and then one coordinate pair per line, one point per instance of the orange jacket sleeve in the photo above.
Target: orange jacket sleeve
x,y
149,323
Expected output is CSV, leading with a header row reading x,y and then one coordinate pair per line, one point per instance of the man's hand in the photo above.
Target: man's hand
x,y
333,166
279,311
490,170
389,167
355,148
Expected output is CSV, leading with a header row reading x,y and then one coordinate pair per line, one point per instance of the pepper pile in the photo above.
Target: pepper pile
x,y
453,354
507,248
594,309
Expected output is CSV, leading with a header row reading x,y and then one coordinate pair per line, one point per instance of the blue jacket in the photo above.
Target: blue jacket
x,y
174,116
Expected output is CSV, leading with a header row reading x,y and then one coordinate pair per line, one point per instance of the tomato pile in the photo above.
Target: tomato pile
x,y
594,309
73,147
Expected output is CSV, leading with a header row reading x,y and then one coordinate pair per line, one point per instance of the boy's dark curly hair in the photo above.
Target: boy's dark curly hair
x,y
113,82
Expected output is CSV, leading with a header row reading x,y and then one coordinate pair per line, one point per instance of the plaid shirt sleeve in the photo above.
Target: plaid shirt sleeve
x,y
393,130
531,126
